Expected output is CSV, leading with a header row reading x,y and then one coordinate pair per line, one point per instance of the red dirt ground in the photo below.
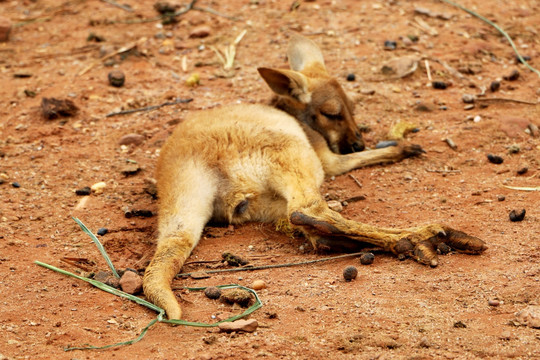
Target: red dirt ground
x,y
393,310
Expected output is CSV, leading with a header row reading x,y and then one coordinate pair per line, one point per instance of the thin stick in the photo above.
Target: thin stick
x,y
149,108
264,267
114,3
505,100
189,7
121,50
214,12
428,71
498,29
443,171
356,180
522,188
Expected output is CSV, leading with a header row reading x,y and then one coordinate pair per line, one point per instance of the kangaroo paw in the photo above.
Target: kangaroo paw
x,y
412,150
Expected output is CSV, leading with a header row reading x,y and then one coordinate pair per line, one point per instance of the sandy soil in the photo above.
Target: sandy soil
x,y
393,309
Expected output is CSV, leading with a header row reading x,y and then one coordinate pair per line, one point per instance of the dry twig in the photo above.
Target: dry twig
x,y
149,108
356,180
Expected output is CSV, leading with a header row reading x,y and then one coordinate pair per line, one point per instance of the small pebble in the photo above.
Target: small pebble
x,y
513,76
239,325
335,205
16,184
501,197
522,170
423,107
524,57
468,98
131,139
193,80
390,45
116,78
385,143
460,325
350,273
477,118
102,231
367,91
493,302
212,292
258,285
200,32
516,215
130,169
468,107
441,85
495,159
131,282
351,77
367,258
494,86
83,191
514,149
97,188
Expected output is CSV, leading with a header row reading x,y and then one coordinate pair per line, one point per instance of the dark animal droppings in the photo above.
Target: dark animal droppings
x,y
517,215
495,159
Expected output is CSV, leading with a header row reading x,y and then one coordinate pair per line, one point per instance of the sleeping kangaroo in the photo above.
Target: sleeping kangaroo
x,y
259,163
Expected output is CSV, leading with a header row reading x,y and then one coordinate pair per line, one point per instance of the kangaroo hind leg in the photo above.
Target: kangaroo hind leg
x,y
322,224
186,205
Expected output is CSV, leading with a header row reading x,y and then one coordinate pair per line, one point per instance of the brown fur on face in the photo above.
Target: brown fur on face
x,y
314,98
257,163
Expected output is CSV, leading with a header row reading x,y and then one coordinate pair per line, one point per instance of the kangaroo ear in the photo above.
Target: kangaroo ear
x,y
287,83
304,53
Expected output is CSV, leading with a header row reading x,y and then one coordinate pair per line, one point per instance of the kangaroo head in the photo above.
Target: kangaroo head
x,y
309,94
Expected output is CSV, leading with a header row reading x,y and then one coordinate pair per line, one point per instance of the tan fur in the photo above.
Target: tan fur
x,y
258,163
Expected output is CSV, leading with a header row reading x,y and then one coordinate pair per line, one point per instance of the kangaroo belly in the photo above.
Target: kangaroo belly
x,y
243,147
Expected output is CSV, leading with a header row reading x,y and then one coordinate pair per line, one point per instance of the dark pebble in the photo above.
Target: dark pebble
x,y
351,77
140,213
526,58
522,170
367,258
386,143
441,85
102,231
212,292
494,86
16,185
117,78
495,159
460,325
83,191
501,197
94,37
350,273
390,45
517,215
514,75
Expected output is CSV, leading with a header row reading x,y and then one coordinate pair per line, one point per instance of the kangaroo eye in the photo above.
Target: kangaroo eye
x,y
336,117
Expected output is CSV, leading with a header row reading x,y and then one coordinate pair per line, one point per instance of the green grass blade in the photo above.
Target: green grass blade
x,y
99,246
